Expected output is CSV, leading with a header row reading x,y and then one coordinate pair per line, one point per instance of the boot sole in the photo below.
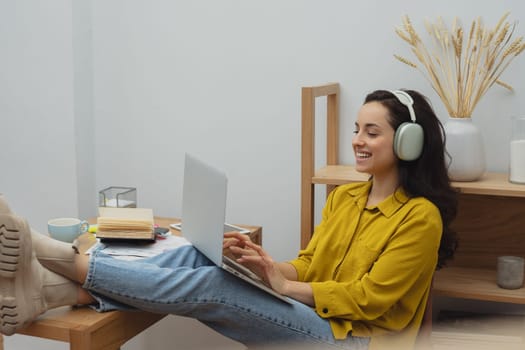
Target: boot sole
x,y
9,246
15,254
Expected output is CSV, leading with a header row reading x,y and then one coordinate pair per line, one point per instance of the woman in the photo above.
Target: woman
x,y
362,282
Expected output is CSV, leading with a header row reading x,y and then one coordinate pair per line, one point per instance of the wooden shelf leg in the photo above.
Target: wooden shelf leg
x,y
308,96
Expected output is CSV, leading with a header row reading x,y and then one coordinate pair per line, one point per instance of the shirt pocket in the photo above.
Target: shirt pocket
x,y
363,257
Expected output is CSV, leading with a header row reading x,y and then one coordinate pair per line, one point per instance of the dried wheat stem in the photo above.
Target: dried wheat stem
x,y
505,85
461,71
405,61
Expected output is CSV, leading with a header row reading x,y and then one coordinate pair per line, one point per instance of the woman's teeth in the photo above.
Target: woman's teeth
x,y
363,155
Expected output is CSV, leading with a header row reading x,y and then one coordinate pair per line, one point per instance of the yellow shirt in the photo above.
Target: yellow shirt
x,y
371,268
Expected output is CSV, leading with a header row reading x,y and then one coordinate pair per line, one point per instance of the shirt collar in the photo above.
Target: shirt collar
x,y
387,207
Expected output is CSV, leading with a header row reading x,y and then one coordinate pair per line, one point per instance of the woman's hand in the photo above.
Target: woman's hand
x,y
256,258
232,241
282,277
235,245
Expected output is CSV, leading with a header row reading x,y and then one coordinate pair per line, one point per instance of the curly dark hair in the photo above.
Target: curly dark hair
x,y
426,176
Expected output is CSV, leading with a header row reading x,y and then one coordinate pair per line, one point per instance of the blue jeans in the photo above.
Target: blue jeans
x,y
184,282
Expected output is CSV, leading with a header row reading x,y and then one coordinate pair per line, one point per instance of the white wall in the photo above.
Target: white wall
x,y
83,107
37,147
97,93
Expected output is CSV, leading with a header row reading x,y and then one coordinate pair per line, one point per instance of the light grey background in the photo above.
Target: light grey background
x,y
97,93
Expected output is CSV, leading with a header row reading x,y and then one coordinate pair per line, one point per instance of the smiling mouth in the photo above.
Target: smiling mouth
x,y
363,155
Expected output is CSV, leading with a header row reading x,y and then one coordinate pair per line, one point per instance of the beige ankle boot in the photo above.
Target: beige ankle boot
x,y
4,207
55,255
26,288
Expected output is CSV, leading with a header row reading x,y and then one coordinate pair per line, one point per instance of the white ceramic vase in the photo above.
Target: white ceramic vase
x,y
464,144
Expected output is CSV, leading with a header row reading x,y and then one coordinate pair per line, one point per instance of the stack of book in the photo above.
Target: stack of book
x,y
125,223
456,330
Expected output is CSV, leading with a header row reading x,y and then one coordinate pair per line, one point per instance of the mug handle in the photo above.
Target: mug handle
x,y
84,226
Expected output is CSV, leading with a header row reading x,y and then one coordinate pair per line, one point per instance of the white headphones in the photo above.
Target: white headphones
x,y
408,138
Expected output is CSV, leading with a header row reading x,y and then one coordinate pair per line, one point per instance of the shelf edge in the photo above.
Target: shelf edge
x,y
492,184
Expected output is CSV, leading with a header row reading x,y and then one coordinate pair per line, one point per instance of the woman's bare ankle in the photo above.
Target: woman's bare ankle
x,y
84,298
81,265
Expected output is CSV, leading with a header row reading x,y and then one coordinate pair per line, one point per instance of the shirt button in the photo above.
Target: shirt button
x,y
325,311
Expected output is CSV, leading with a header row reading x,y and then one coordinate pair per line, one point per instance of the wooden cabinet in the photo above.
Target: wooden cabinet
x,y
490,220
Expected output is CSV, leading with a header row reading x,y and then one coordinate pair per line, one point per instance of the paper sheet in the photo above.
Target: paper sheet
x,y
139,250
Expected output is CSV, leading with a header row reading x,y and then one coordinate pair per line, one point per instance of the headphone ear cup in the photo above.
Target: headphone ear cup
x,y
408,141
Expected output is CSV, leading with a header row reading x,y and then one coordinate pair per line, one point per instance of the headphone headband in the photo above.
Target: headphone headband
x,y
406,100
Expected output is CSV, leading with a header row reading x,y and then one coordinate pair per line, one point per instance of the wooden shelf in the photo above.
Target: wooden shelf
x,y
473,283
337,175
492,184
495,184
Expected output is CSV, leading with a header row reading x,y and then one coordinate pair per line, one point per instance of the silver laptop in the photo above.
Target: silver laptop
x,y
203,218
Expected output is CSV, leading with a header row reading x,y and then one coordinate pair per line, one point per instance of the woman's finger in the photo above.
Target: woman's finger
x,y
229,242
243,251
257,248
237,235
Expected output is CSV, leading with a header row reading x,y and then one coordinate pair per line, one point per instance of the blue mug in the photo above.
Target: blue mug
x,y
66,229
